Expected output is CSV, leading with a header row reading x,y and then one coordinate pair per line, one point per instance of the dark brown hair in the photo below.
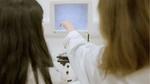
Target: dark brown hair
x,y
125,25
22,42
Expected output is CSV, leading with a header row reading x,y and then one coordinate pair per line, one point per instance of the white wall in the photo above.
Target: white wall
x,y
55,43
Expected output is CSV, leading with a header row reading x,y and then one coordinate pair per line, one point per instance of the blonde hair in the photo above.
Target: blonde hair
x,y
125,26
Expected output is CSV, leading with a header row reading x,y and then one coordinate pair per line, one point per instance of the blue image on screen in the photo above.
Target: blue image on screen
x,y
76,13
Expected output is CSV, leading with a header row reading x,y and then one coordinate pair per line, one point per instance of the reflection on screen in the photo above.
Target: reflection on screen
x,y
76,13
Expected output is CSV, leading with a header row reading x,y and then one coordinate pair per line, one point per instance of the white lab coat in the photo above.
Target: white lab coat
x,y
55,77
83,57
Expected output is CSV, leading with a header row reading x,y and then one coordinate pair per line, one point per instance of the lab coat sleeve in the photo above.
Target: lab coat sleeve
x,y
79,52
74,40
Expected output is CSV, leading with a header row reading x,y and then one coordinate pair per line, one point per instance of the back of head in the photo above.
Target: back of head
x,y
22,42
125,24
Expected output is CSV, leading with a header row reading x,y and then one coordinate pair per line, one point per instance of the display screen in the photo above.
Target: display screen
x,y
76,13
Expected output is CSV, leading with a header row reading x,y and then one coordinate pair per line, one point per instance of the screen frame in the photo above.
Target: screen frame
x,y
52,14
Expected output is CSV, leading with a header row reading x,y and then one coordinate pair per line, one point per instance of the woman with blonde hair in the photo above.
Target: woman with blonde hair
x,y
124,59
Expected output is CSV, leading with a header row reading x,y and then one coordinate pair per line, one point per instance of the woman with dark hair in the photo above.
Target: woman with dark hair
x,y
24,56
125,58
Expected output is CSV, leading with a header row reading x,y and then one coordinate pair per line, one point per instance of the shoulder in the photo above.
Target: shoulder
x,y
139,77
55,76
30,76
